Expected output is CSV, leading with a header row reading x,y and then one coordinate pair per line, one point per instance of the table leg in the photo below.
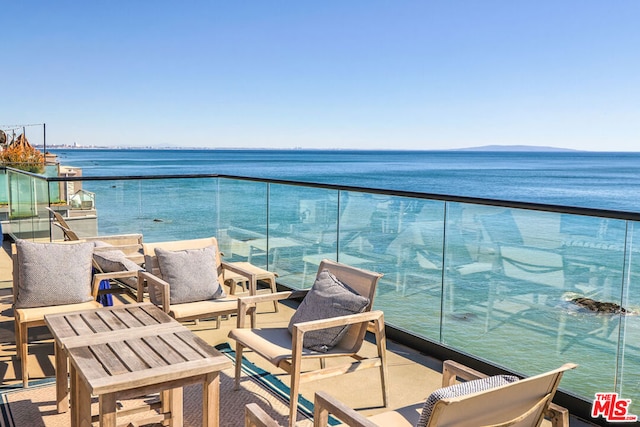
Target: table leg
x,y
81,404
62,382
175,400
107,405
272,285
73,395
165,401
211,400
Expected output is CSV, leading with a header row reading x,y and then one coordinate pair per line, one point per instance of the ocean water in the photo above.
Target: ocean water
x,y
583,179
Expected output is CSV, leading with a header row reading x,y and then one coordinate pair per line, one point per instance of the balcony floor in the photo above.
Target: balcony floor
x,y
412,375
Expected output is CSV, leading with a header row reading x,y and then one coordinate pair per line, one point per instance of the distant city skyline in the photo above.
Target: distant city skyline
x,y
410,75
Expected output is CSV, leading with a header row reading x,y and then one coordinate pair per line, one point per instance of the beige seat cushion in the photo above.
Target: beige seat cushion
x,y
198,308
38,313
274,344
407,416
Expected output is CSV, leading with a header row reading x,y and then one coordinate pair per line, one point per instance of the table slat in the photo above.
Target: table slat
x,y
153,359
181,347
104,355
128,357
143,316
110,384
118,335
95,322
157,314
84,359
79,325
60,328
198,344
109,318
127,318
160,346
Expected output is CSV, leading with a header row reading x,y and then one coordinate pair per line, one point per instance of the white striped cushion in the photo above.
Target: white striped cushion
x,y
462,389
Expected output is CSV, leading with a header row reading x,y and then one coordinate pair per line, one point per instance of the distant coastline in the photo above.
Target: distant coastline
x,y
484,148
518,148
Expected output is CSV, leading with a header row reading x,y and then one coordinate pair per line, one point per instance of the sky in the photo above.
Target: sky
x,y
352,74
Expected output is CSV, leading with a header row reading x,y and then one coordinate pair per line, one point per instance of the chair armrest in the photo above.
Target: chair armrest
x,y
299,329
325,404
314,325
253,281
156,287
97,278
255,416
247,305
452,370
255,299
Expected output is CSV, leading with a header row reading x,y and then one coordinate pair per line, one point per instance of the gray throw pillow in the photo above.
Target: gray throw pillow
x,y
53,273
328,297
192,274
462,389
114,260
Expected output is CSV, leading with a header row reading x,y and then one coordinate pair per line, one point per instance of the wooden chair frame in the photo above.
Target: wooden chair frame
x,y
152,280
325,404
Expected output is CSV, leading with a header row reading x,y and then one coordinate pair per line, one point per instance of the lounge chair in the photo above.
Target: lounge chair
x,y
51,278
286,349
171,287
479,402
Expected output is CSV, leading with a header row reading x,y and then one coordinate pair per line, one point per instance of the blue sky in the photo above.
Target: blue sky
x,y
333,74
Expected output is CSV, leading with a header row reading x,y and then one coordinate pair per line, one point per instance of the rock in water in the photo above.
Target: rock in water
x,y
599,306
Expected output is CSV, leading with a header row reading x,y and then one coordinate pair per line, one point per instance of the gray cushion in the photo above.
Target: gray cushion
x,y
192,274
328,297
53,273
114,260
462,389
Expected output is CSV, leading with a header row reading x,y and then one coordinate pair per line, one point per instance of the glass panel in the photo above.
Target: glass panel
x,y
630,339
303,231
27,198
535,286
242,219
406,244
594,255
56,194
359,233
4,202
149,207
4,188
468,265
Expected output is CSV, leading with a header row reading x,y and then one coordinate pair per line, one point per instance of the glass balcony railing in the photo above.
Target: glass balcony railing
x,y
524,287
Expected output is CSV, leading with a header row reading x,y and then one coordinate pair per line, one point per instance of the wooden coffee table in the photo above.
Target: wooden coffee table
x,y
130,351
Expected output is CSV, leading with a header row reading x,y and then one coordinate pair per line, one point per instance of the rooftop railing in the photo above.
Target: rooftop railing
x,y
513,286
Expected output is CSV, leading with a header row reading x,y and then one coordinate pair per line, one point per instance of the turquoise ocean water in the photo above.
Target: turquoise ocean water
x,y
585,179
